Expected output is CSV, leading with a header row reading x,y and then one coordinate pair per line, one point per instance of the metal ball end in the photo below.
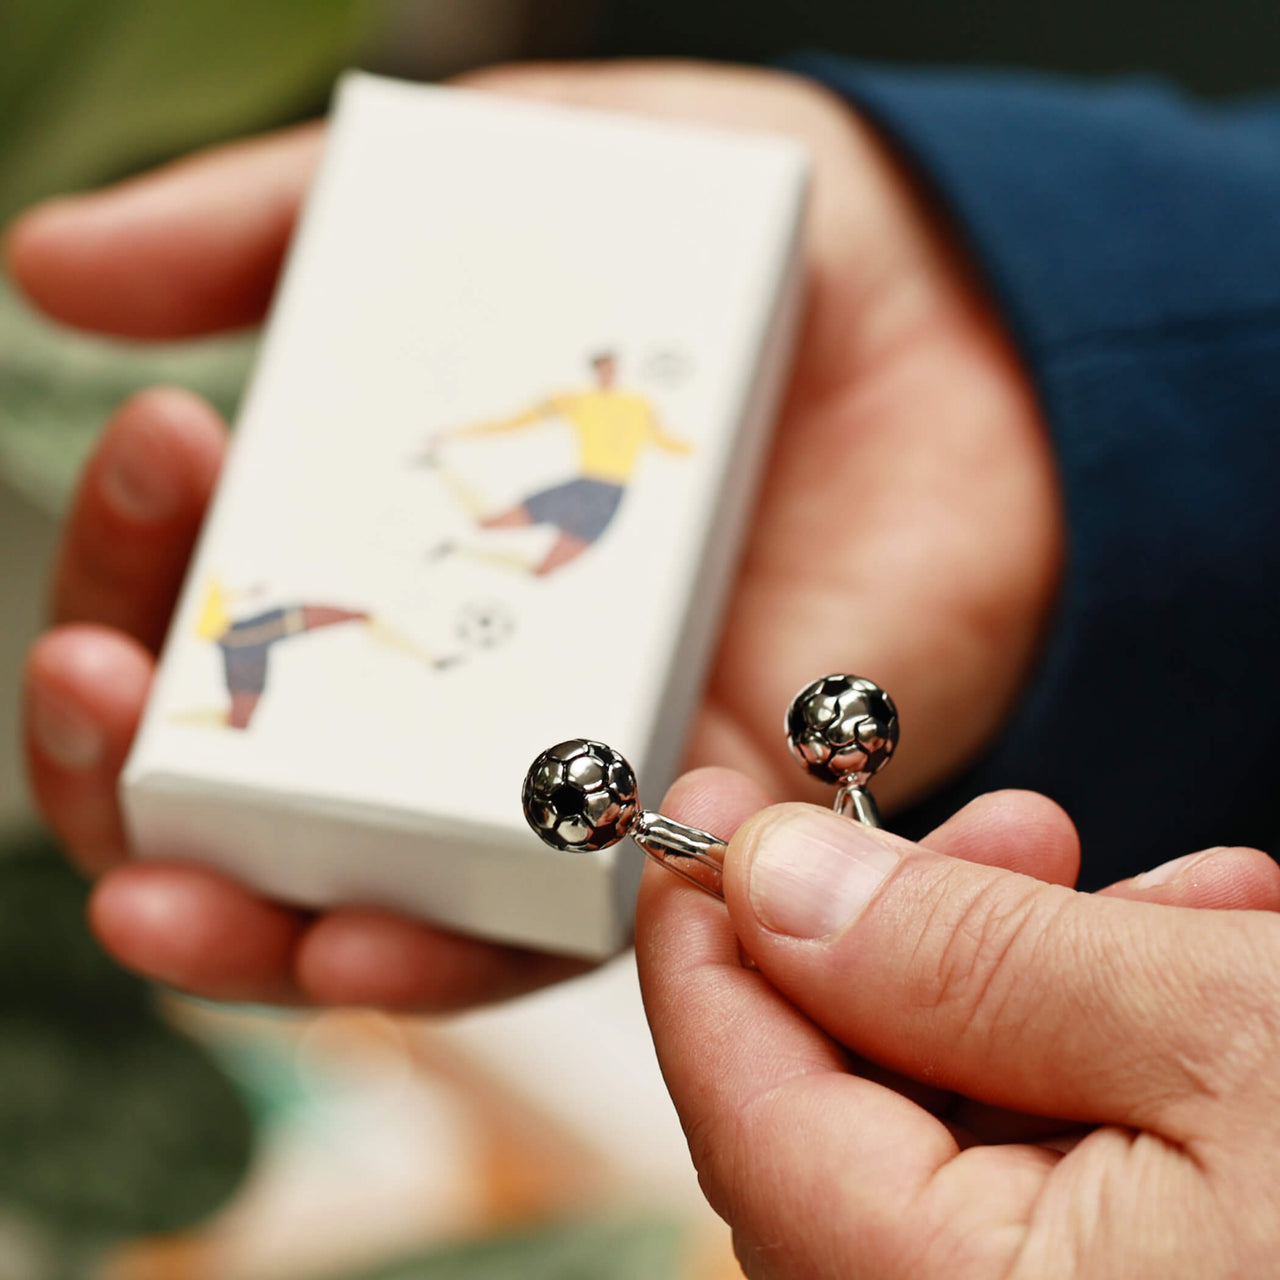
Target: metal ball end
x,y
842,729
580,796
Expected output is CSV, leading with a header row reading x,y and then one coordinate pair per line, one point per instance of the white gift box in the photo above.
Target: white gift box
x,y
487,492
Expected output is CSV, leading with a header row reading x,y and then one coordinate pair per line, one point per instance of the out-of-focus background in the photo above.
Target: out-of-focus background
x,y
143,1136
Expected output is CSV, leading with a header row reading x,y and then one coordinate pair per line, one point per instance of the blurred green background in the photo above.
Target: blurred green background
x,y
112,1123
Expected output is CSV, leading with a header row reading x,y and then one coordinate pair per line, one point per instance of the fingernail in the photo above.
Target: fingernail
x,y
1166,871
136,482
812,872
64,733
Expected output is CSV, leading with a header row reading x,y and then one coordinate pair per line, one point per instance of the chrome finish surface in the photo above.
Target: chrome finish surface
x,y
696,856
844,730
859,804
581,795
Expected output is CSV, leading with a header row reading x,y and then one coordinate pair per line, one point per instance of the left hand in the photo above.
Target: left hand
x,y
909,526
944,1070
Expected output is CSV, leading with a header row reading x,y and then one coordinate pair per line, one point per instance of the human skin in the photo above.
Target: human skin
x,y
980,1073
971,1074
909,528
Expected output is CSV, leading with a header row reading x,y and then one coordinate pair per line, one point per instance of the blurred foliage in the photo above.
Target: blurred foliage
x,y
93,89
600,1250
58,387
90,89
111,1122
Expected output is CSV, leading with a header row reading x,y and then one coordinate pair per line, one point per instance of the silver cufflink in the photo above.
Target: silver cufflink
x,y
581,795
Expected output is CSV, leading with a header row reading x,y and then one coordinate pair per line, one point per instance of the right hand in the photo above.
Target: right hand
x,y
909,528
939,1070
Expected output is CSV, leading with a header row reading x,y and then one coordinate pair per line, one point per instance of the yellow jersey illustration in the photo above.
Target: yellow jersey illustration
x,y
613,427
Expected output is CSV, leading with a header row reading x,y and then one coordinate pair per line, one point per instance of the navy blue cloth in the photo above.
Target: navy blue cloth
x,y
1131,239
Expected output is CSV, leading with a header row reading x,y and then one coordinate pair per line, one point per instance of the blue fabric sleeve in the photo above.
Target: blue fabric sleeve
x,y
1131,239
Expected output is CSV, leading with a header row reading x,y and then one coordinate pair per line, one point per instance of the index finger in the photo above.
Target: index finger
x,y
136,514
192,248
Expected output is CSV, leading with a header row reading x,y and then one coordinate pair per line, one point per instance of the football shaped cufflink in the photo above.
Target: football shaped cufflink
x,y
580,795
844,730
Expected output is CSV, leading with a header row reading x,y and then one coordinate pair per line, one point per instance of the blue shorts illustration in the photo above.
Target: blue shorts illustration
x,y
246,668
245,646
582,508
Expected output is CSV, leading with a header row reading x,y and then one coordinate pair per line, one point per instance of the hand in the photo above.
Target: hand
x,y
945,1069
909,528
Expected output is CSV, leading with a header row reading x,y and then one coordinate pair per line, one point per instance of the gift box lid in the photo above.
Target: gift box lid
x,y
487,489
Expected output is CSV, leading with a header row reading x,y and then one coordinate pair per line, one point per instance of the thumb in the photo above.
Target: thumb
x,y
1002,988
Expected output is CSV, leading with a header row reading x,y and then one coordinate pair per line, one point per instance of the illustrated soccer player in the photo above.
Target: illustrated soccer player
x,y
247,642
613,427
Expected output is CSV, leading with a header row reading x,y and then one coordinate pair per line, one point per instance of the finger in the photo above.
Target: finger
x,y
820,1172
1216,880
344,957
198,931
191,248
1219,879
715,799
1009,991
362,957
373,957
1018,830
84,690
137,514
193,929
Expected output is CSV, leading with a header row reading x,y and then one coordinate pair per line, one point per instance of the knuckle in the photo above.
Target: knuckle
x,y
760,1260
730,1152
972,956
1228,1052
710,1153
